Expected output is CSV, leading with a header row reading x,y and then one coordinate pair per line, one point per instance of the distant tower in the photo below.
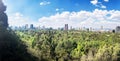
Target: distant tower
x,y
43,27
91,29
71,28
66,27
39,27
26,26
117,29
101,29
31,26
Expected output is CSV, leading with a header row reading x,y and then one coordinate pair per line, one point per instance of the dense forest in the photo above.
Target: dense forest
x,y
57,45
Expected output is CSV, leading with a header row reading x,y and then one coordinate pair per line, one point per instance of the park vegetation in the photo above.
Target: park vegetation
x,y
72,45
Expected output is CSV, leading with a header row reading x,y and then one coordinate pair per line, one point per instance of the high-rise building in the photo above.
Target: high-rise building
x,y
31,26
71,27
117,29
66,27
43,27
101,27
26,26
90,29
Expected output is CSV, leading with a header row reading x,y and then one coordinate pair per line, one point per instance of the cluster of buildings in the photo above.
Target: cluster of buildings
x,y
66,27
26,26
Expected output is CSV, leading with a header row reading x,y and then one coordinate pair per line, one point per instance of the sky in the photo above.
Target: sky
x,y
56,13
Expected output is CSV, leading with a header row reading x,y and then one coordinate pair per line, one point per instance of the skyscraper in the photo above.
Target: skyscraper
x,y
71,28
117,29
31,26
66,27
26,26
101,27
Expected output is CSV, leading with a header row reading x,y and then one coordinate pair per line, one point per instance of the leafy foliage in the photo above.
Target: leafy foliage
x,y
50,45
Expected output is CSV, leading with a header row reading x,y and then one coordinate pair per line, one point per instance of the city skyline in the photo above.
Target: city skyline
x,y
56,13
65,27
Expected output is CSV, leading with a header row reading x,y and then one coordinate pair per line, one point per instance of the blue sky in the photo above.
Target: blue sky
x,y
48,12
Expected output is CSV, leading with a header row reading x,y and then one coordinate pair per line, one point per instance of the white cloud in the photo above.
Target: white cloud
x,y
94,2
17,19
102,6
97,3
57,9
4,0
44,3
115,16
106,0
94,19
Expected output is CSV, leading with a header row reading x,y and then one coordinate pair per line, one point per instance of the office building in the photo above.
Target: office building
x,y
31,26
26,26
66,27
117,29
